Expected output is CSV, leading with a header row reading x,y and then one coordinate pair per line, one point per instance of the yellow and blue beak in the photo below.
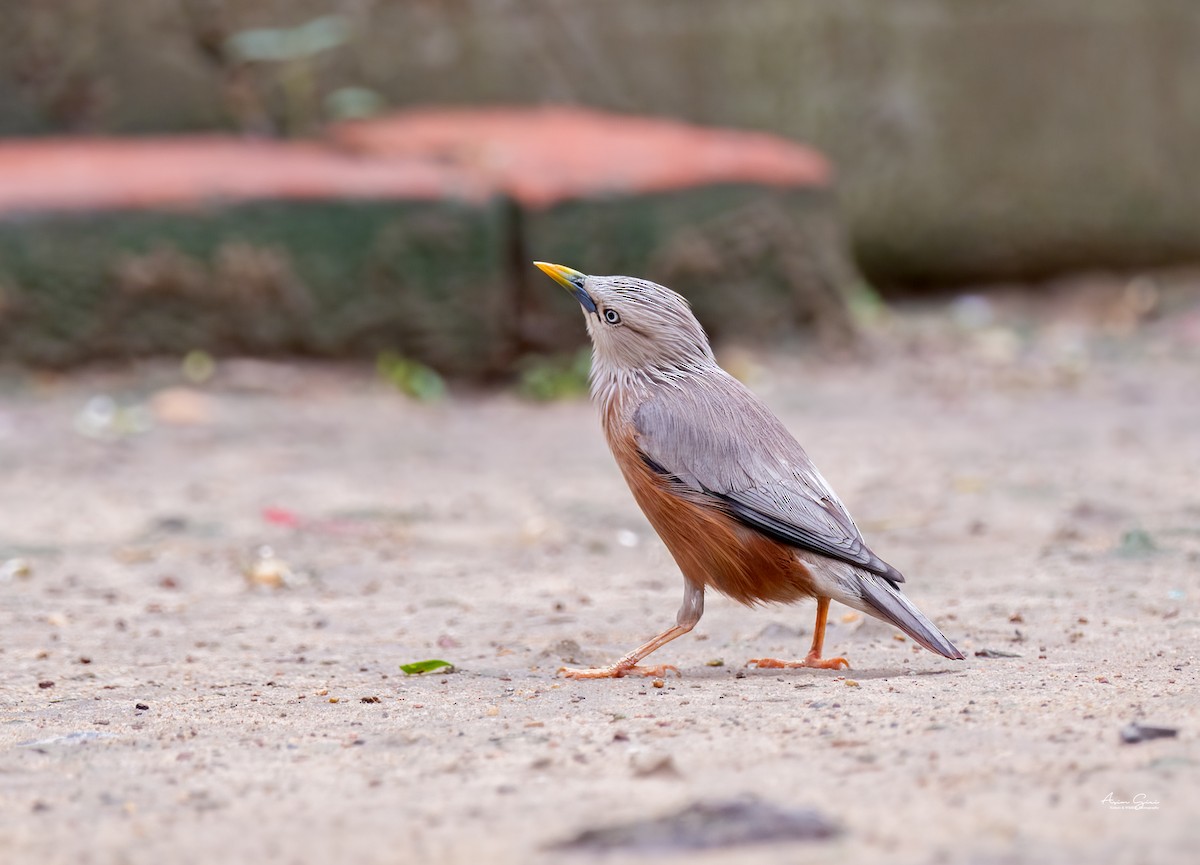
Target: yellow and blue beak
x,y
571,280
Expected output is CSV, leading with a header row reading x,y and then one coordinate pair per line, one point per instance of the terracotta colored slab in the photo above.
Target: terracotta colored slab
x,y
171,172
545,156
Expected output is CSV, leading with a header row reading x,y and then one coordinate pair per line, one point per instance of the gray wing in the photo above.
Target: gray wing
x,y
718,441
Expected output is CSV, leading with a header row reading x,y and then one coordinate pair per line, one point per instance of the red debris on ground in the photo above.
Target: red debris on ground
x,y
280,517
537,156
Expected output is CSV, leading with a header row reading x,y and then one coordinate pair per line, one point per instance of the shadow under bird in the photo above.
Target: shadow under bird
x,y
732,494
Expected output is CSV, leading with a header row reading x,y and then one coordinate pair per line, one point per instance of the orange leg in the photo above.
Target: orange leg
x,y
813,659
689,615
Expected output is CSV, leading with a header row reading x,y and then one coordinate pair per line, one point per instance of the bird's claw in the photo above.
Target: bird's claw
x,y
812,662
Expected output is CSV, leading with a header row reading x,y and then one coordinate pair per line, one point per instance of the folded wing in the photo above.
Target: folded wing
x,y
721,445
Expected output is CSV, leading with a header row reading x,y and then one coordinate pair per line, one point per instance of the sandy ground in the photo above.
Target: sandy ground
x,y
1038,483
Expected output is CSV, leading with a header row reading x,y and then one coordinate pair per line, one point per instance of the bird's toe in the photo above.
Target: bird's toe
x,y
812,662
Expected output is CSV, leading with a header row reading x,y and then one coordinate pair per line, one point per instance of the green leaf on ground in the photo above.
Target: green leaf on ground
x,y
416,668
1136,543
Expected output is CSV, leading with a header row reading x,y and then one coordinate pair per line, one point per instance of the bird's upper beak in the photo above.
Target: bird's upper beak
x,y
571,280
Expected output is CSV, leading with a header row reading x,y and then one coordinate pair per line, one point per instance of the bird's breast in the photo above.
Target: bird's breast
x,y
710,547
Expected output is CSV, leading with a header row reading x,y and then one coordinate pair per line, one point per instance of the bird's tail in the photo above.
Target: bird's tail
x,y
886,602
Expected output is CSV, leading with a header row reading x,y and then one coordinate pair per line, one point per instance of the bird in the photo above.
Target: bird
x,y
731,493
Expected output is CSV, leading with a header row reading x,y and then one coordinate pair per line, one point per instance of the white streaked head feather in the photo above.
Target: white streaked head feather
x,y
657,338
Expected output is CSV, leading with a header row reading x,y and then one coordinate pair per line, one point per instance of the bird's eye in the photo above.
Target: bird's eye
x,y
612,316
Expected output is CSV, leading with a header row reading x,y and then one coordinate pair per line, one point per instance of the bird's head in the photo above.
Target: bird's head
x,y
635,324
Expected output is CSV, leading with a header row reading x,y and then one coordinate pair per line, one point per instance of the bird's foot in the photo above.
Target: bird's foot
x,y
618,670
812,661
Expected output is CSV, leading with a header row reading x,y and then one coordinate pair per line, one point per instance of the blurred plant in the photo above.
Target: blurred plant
x,y
292,52
198,366
1136,543
553,378
867,306
287,44
410,377
352,103
103,418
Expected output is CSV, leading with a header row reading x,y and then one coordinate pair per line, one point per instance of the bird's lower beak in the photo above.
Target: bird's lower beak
x,y
571,280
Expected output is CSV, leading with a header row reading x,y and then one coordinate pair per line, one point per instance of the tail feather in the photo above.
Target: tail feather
x,y
886,602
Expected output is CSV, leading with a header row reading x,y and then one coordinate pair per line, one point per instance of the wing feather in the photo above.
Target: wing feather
x,y
716,439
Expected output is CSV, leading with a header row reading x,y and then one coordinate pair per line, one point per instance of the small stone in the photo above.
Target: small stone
x,y
993,653
268,569
182,406
15,568
654,766
1132,734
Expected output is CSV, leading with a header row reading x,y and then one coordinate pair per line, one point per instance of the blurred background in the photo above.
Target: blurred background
x,y
970,143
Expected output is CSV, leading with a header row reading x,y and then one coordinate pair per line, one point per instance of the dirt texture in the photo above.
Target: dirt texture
x,y
173,692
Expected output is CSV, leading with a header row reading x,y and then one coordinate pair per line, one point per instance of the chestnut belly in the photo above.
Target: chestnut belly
x,y
714,549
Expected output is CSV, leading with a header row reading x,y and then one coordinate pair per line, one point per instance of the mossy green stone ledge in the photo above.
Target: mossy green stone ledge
x,y
325,278
412,234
